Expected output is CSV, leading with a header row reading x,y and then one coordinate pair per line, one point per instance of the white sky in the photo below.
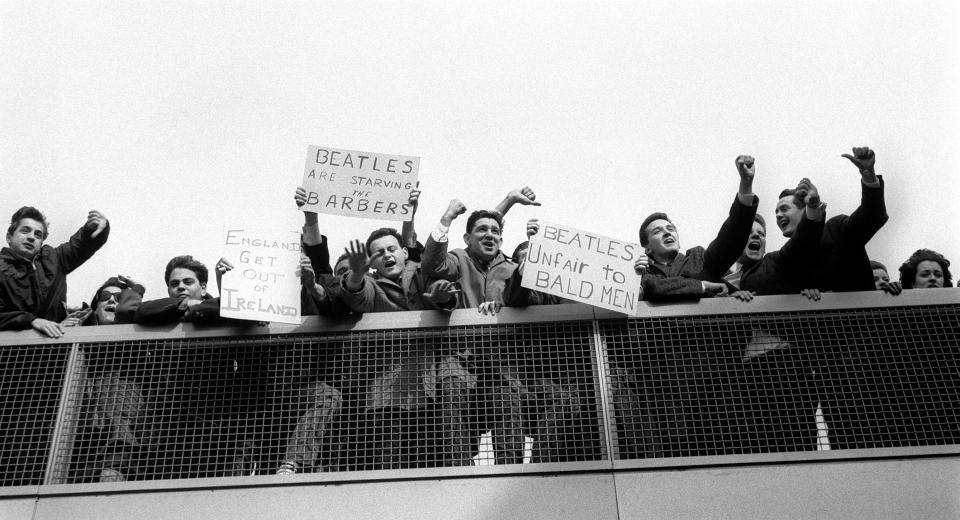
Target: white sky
x,y
177,119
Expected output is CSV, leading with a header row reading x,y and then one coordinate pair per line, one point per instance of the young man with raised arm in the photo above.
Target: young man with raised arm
x,y
33,275
675,276
842,264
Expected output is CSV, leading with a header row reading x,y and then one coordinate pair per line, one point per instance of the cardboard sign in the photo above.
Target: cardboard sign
x,y
359,184
263,284
584,267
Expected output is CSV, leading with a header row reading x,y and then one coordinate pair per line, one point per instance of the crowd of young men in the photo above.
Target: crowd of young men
x,y
391,271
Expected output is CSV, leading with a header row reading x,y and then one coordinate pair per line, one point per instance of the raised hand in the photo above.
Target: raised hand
x,y
454,210
130,282
441,292
745,166
864,159
809,193
414,199
75,318
524,196
307,277
533,227
357,257
300,197
97,222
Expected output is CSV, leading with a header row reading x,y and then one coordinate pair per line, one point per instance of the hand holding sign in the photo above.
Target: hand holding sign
x,y
533,226
414,199
223,265
359,184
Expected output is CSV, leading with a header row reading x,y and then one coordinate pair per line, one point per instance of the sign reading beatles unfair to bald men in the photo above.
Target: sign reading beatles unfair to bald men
x,y
583,267
359,184
263,284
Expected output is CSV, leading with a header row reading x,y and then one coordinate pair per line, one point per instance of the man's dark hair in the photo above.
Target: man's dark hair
x,y
644,236
877,265
908,271
186,262
383,232
483,213
27,212
789,192
759,218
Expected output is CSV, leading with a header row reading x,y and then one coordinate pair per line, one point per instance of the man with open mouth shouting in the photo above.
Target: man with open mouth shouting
x,y
780,272
675,276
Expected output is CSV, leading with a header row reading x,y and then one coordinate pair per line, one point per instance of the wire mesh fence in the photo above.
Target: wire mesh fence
x,y
761,383
388,399
30,382
479,394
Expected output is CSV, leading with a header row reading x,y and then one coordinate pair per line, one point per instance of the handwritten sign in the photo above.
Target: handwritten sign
x,y
584,267
262,286
359,184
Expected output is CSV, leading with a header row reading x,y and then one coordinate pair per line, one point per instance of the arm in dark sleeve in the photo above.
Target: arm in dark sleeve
x,y
437,263
415,252
207,311
81,246
159,312
130,300
319,255
657,288
730,241
12,319
803,247
361,300
863,223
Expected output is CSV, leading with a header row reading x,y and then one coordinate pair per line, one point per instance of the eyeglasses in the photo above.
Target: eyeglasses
x,y
106,296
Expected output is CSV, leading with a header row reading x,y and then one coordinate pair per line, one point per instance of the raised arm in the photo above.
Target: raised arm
x,y
524,196
871,215
735,231
408,233
803,247
84,243
437,263
314,244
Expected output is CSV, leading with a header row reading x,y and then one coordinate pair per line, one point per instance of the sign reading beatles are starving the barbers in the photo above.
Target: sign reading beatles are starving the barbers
x,y
359,184
263,284
583,267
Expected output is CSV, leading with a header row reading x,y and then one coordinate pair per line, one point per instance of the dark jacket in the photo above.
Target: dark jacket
x,y
680,280
477,285
782,272
38,288
332,304
843,264
166,311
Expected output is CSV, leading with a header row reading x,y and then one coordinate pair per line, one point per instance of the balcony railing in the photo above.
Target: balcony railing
x,y
567,385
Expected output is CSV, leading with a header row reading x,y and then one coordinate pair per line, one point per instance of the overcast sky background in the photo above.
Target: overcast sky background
x,y
177,119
